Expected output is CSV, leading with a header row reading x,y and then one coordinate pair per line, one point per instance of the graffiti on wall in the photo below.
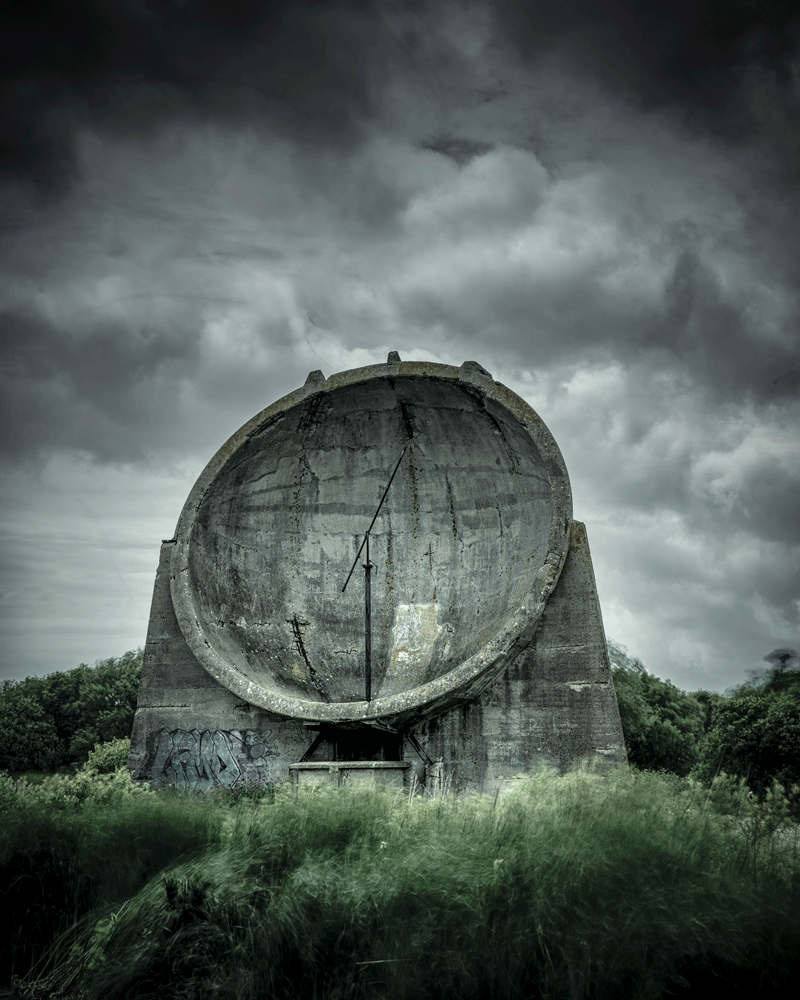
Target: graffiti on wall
x,y
213,758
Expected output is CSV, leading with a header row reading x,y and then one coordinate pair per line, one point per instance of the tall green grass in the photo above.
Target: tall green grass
x,y
581,886
72,846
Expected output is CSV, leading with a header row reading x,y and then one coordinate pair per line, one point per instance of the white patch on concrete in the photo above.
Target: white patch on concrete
x,y
414,634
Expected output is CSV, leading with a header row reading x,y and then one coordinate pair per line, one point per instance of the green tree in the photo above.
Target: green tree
x,y
106,703
28,739
48,722
755,733
782,674
709,700
661,723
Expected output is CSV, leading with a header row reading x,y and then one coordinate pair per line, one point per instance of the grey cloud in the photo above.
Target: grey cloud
x,y
312,71
237,253
765,583
458,148
768,502
105,392
697,56
706,334
778,589
717,339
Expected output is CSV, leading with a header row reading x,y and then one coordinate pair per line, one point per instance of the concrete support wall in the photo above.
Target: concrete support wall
x,y
187,725
553,705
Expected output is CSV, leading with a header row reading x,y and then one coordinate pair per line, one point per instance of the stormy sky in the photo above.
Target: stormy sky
x,y
200,202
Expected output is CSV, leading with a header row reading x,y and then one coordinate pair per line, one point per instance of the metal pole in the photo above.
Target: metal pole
x,y
368,584
375,518
368,623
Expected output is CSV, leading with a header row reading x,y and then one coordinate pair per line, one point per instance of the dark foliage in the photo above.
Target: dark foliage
x,y
661,724
752,733
61,862
755,735
580,885
53,722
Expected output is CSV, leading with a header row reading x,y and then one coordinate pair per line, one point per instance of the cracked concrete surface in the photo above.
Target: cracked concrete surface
x,y
468,548
466,526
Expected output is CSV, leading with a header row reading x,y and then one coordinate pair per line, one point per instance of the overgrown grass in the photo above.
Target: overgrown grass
x,y
632,885
72,846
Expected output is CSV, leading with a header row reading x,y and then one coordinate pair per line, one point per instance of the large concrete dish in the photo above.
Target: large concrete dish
x,y
467,548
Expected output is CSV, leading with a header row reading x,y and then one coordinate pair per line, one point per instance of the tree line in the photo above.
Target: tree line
x,y
52,723
752,732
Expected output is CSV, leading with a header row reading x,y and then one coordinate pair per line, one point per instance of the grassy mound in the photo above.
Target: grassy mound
x,y
579,886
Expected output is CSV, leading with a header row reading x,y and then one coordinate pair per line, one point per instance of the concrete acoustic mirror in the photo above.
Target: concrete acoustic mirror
x,y
356,575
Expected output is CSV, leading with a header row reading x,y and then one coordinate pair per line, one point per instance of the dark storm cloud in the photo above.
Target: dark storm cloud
x,y
317,70
715,337
664,51
105,392
457,148
651,261
697,328
311,70
726,73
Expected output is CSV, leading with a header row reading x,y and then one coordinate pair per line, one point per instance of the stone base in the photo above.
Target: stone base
x,y
351,772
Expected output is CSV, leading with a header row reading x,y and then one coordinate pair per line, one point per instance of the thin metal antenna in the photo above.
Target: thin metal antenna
x,y
368,624
375,518
368,586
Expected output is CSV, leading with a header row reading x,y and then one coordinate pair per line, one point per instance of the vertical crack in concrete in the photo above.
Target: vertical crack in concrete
x,y
407,420
480,399
297,631
428,555
312,476
452,502
414,496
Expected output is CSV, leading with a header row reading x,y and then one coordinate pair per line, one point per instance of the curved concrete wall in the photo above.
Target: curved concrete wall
x,y
489,652
467,547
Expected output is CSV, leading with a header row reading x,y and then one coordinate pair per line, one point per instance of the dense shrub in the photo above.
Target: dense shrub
x,y
106,758
756,735
28,737
72,845
53,722
662,725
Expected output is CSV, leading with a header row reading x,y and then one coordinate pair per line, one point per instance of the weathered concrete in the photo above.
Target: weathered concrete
x,y
483,646
553,706
468,545
350,772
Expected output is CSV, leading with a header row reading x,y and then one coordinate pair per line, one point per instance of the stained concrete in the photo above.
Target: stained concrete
x,y
488,649
554,706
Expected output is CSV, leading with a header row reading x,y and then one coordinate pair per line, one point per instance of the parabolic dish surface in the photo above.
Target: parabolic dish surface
x,y
471,527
